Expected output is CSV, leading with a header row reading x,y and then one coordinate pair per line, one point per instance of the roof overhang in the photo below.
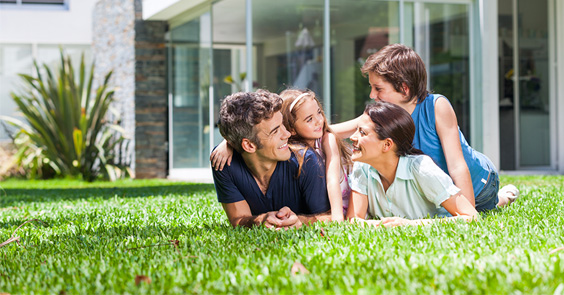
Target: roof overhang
x,y
165,10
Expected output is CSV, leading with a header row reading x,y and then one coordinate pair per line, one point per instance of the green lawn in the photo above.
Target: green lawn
x,y
167,237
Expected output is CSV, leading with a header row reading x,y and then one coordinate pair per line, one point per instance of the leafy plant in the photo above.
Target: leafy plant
x,y
238,81
68,130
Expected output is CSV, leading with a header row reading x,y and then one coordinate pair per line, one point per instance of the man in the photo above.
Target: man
x,y
261,186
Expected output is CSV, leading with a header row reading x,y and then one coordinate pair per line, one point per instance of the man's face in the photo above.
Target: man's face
x,y
274,139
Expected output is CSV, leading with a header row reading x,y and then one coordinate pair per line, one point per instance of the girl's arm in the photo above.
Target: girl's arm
x,y
222,154
447,129
333,175
346,129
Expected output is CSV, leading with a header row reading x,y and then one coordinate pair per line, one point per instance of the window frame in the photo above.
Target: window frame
x,y
21,5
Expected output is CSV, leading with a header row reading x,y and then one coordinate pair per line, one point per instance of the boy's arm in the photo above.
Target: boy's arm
x,y
447,129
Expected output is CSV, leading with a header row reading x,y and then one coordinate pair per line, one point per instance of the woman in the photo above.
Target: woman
x,y
393,181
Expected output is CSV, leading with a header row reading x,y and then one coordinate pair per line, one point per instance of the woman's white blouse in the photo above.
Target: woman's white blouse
x,y
417,191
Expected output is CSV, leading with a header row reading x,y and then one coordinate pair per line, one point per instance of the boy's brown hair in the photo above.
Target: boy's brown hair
x,y
398,64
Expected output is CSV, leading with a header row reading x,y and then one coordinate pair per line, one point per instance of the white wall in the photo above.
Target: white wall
x,y
25,25
28,33
489,77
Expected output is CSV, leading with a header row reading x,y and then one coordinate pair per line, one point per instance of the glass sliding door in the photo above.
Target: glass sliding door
x,y
288,37
525,109
229,54
533,84
189,72
358,29
208,58
439,33
442,39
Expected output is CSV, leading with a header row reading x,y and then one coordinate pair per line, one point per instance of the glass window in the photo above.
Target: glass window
x,y
358,29
189,81
229,54
288,36
524,106
439,33
35,4
442,40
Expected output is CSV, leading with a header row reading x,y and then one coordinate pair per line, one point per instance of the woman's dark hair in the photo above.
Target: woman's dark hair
x,y
392,121
398,64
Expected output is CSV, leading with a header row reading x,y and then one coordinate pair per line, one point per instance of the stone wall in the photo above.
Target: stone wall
x,y
113,49
135,50
151,114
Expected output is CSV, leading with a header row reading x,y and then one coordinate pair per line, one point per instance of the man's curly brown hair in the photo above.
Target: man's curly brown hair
x,y
240,112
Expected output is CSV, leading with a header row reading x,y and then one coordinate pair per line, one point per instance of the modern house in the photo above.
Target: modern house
x,y
36,29
500,62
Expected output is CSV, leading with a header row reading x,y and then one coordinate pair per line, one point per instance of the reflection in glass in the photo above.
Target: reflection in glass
x,y
189,87
288,36
358,29
534,126
524,85
447,57
229,54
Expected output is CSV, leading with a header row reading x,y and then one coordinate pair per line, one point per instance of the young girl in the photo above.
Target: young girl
x,y
397,75
303,117
393,181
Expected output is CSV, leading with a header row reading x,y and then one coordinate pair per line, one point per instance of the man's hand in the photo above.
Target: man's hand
x,y
284,218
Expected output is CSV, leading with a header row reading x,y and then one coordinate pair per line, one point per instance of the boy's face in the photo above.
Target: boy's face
x,y
384,91
274,139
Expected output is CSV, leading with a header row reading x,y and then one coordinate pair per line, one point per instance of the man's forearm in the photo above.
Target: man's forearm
x,y
248,221
311,218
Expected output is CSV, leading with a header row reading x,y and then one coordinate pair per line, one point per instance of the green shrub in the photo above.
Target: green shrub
x,y
67,130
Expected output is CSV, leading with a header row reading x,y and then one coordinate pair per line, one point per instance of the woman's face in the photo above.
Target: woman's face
x,y
383,90
366,144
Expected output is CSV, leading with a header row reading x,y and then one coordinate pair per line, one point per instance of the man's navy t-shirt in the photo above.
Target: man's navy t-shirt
x,y
306,194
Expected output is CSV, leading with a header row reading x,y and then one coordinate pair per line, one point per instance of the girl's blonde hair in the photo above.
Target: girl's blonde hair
x,y
292,100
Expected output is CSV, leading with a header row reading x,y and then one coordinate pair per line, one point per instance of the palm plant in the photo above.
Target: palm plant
x,y
68,130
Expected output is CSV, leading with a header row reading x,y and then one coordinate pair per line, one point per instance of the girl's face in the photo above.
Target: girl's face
x,y
366,145
309,121
383,90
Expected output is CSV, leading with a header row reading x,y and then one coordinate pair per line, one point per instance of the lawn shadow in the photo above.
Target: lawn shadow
x,y
99,238
10,197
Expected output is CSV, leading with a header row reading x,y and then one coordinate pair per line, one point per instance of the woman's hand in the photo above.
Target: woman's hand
x,y
222,154
396,221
